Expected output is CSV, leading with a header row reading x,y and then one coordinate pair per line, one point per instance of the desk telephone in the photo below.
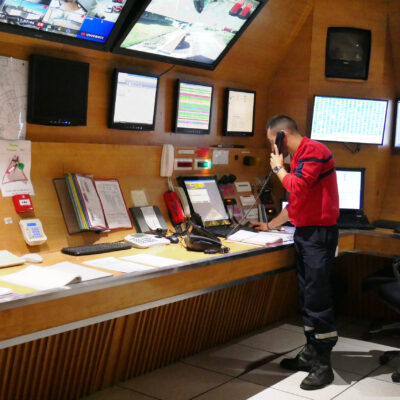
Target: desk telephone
x,y
201,240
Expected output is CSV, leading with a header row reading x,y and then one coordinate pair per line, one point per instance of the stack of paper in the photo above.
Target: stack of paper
x,y
153,261
259,238
114,264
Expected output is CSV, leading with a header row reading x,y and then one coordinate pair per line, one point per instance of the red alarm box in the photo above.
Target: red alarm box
x,y
22,203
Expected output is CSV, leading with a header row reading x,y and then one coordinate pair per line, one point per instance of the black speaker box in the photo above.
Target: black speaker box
x,y
347,53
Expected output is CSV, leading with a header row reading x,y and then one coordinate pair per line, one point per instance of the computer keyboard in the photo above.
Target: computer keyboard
x,y
225,230
95,248
349,221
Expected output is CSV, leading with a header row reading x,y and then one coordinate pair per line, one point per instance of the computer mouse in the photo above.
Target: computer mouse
x,y
173,238
33,257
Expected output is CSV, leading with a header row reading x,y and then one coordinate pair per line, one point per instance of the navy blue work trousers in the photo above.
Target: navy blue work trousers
x,y
315,250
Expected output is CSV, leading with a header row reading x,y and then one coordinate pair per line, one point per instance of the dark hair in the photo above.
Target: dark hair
x,y
278,119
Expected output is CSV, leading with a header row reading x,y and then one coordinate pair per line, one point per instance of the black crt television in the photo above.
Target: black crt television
x,y
57,91
205,200
196,33
193,108
239,112
134,101
351,189
348,120
87,23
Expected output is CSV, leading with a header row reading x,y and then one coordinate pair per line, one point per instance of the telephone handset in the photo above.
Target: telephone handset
x,y
280,137
167,160
184,201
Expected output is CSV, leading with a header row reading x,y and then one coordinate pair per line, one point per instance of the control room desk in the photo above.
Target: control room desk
x,y
126,325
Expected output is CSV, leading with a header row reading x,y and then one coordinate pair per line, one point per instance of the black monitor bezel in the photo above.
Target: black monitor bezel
x,y
396,115
137,13
132,126
355,169
64,39
196,217
31,116
192,131
351,98
226,116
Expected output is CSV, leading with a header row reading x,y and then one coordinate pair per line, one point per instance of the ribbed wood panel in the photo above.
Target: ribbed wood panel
x,y
73,364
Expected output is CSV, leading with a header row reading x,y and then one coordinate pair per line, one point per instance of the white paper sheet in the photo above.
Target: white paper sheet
x,y
151,218
113,203
114,264
86,274
15,180
259,238
40,278
154,261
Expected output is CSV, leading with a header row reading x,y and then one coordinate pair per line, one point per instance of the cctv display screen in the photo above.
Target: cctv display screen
x,y
191,32
240,113
339,119
396,142
193,112
89,20
134,101
206,200
351,188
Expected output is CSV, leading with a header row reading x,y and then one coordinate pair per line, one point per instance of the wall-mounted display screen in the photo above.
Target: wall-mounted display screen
x,y
191,32
396,133
342,119
57,91
87,20
240,107
134,101
193,113
351,188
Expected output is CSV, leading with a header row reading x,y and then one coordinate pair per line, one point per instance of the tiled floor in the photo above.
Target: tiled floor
x,y
248,368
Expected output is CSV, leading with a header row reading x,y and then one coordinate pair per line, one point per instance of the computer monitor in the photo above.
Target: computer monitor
x,y
239,117
196,33
351,188
342,119
57,91
87,23
396,125
193,109
134,101
205,199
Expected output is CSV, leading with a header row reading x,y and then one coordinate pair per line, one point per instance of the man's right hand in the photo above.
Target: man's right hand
x,y
261,226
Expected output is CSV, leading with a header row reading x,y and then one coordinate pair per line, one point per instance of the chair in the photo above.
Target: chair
x,y
389,293
385,276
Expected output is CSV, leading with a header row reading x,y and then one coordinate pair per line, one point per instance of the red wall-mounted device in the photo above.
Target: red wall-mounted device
x,y
22,203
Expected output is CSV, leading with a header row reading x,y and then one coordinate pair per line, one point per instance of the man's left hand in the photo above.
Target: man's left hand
x,y
276,158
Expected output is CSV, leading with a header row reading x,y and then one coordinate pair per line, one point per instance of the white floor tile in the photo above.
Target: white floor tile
x,y
275,340
117,393
384,373
232,390
292,327
273,394
178,381
353,357
343,380
231,360
371,389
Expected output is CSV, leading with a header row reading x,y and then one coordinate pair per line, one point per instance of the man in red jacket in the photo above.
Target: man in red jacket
x,y
313,208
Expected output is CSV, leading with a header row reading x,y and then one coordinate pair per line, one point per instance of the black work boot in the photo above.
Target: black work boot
x,y
321,373
303,361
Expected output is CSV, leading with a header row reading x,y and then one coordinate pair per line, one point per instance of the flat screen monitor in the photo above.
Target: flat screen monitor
x,y
193,109
134,101
57,91
351,188
342,119
240,107
88,23
205,199
196,33
396,133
